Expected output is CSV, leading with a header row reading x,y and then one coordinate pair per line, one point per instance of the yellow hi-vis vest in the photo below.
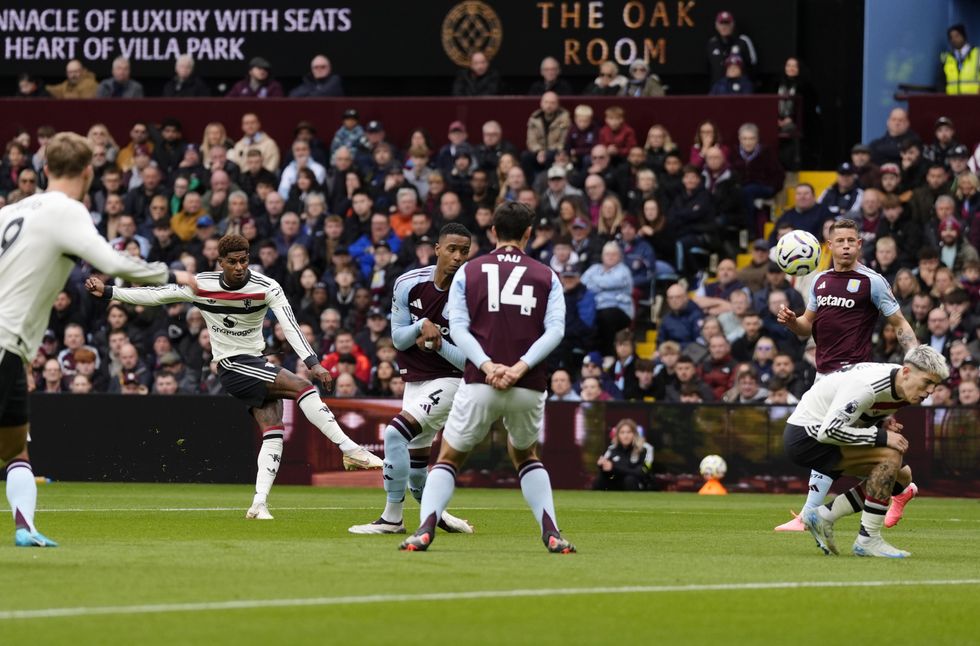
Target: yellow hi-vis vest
x,y
962,79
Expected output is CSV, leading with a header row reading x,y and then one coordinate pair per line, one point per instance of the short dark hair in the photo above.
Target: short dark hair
x,y
691,169
685,359
777,383
511,220
454,229
232,243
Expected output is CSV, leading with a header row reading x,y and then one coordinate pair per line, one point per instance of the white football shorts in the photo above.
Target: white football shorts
x,y
477,406
429,403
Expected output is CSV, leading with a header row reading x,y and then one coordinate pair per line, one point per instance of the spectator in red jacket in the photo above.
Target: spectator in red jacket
x,y
344,344
759,171
617,135
718,368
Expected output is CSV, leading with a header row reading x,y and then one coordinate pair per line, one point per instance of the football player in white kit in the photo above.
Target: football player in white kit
x,y
843,425
41,239
234,302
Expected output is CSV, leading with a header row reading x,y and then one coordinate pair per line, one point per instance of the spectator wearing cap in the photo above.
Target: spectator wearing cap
x,y
254,138
172,364
890,182
547,129
843,198
954,251
898,130
350,133
120,85
374,137
542,243
478,79
806,214
758,170
258,82
557,189
725,42
585,244
420,253
184,83
550,80
638,255
641,81
320,82
958,160
776,281
898,223
753,275
79,83
961,63
734,81
868,173
944,141
376,329
457,136
580,320
603,388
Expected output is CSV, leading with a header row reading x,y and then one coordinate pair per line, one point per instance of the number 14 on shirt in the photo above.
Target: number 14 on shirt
x,y
508,296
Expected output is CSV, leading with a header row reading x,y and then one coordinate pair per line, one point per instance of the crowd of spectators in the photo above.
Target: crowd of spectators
x,y
629,215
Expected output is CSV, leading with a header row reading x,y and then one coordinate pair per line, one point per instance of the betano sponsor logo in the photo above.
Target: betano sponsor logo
x,y
835,301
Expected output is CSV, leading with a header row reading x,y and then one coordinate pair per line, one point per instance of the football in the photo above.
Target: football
x,y
798,253
713,466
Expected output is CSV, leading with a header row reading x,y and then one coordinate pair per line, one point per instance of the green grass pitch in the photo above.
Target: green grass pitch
x,y
179,564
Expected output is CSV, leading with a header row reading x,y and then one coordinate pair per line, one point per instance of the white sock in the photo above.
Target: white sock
x,y
320,416
536,487
22,493
847,503
270,456
438,492
418,473
873,516
819,487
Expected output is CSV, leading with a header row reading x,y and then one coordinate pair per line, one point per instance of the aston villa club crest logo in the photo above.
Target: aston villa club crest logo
x,y
853,285
469,27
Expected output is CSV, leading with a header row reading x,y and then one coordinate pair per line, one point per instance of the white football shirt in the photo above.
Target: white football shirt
x,y
844,407
234,316
41,239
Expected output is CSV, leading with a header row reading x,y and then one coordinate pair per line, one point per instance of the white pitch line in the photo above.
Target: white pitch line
x,y
246,604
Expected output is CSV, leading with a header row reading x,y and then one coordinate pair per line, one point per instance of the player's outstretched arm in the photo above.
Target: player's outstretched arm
x,y
79,238
906,336
801,326
160,295
290,328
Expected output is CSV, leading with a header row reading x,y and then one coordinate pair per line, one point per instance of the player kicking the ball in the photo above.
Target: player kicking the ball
x,y
41,237
833,431
506,314
234,303
431,367
841,313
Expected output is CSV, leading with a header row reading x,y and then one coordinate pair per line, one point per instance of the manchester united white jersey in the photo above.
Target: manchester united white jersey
x,y
845,406
234,316
41,239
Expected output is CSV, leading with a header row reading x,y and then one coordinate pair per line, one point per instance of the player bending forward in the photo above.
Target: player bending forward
x,y
833,431
431,367
842,311
41,237
234,303
506,314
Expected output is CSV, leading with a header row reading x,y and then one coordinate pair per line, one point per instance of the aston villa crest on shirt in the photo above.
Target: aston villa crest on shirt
x,y
853,285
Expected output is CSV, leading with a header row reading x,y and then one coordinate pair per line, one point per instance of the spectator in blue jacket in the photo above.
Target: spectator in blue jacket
x,y
362,251
612,283
321,81
580,312
734,81
350,134
682,323
637,254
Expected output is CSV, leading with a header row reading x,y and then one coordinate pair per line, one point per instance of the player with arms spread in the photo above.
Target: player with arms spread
x,y
41,238
234,302
506,314
833,430
431,367
841,313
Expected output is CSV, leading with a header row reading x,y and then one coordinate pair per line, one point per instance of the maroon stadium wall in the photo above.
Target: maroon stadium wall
x,y
680,115
924,109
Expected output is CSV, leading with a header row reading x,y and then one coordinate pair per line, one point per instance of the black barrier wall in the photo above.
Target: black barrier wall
x,y
213,439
